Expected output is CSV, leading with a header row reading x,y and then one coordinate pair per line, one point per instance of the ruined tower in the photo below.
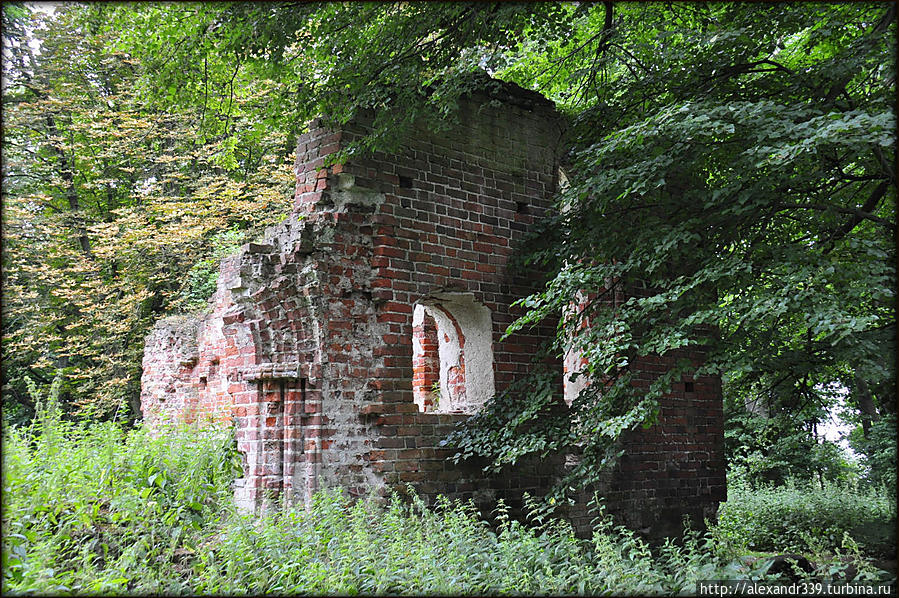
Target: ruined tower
x,y
348,344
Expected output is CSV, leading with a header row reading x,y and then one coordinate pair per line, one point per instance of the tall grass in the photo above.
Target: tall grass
x,y
809,519
92,508
365,547
97,509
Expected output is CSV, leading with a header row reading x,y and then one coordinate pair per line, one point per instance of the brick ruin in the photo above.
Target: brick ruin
x,y
347,344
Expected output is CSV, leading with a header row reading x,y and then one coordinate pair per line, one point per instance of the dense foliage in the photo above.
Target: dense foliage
x,y
111,208
737,159
878,450
774,450
792,519
92,508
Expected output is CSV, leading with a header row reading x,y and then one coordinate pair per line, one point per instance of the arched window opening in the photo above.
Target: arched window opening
x,y
452,354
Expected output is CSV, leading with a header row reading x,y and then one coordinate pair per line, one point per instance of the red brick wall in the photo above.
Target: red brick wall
x,y
308,342
456,205
674,468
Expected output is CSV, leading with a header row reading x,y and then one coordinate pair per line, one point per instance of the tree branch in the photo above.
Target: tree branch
x,y
858,213
869,207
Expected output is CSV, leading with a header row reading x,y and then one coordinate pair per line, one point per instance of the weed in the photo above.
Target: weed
x,y
96,509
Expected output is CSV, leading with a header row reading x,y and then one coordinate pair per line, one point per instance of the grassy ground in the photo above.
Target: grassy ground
x,y
96,509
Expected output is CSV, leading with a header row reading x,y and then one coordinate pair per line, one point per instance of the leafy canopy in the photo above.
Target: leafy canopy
x,y
738,160
108,205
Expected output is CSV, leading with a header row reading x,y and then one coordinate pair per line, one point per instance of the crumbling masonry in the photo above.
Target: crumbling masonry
x,y
348,344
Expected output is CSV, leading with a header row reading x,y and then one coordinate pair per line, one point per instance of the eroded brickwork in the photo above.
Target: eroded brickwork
x,y
308,342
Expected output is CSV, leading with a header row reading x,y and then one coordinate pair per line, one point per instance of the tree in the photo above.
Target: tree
x,y
107,207
737,159
746,173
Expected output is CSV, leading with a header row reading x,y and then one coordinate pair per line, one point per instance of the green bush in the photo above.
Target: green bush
x,y
203,275
878,451
93,508
794,519
772,450
96,509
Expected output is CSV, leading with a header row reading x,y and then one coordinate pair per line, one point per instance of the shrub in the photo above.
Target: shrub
x,y
97,509
794,519
878,451
93,508
772,450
